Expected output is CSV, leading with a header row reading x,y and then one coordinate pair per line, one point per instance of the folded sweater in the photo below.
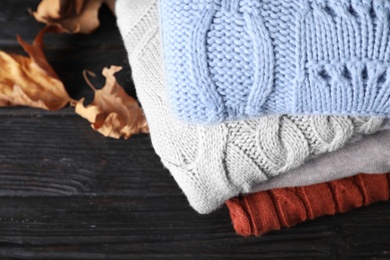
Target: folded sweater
x,y
233,59
261,212
371,155
214,163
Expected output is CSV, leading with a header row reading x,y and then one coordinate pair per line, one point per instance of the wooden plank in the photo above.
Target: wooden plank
x,y
120,227
64,156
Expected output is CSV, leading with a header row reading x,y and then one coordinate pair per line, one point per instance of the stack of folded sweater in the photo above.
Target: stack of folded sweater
x,y
273,107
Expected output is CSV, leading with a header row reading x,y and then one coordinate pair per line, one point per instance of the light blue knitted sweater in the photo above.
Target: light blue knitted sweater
x,y
231,59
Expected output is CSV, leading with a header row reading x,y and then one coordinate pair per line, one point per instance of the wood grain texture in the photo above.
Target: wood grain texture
x,y
66,192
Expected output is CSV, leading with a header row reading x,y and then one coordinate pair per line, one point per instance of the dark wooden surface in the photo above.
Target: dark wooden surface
x,y
66,192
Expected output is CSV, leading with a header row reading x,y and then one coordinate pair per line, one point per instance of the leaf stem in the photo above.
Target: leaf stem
x,y
85,76
73,102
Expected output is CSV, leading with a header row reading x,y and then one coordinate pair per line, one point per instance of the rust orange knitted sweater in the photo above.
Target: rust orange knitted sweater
x,y
261,212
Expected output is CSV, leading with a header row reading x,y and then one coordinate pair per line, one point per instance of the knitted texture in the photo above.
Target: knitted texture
x,y
214,163
261,212
370,155
229,59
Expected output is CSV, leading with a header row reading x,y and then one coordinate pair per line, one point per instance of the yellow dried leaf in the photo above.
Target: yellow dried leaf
x,y
72,16
31,81
113,113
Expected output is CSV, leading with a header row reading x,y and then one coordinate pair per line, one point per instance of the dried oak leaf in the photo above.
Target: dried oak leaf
x,y
31,81
113,113
73,16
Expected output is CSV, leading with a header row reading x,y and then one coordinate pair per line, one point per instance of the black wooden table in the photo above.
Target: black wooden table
x,y
66,192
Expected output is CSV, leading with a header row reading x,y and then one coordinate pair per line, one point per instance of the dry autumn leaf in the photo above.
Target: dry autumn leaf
x,y
73,16
113,113
31,81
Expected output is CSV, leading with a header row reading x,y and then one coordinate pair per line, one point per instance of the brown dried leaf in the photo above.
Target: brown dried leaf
x,y
31,81
73,16
113,113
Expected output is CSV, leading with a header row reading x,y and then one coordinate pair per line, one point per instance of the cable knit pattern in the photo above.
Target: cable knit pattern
x,y
214,163
370,155
233,59
261,212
